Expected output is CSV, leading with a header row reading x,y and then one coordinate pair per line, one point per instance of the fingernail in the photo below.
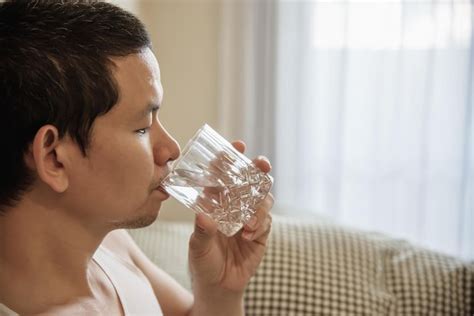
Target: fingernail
x,y
252,222
265,159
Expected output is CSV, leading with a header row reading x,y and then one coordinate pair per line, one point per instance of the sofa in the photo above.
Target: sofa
x,y
315,267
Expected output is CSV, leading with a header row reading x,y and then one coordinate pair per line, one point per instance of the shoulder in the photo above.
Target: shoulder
x,y
173,298
121,244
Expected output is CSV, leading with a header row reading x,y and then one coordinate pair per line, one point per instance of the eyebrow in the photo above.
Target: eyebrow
x,y
151,107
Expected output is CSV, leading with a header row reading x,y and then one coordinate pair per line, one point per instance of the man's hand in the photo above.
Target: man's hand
x,y
221,266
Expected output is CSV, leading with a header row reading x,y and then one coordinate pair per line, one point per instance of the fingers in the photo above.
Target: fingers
x,y
239,145
259,225
258,228
262,163
204,231
221,164
262,231
204,224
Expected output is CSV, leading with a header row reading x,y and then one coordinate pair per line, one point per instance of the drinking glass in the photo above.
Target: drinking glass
x,y
212,177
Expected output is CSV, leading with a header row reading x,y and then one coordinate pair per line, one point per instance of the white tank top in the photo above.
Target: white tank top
x,y
133,288
5,311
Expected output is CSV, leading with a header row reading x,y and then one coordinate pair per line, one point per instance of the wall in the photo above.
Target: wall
x,y
184,36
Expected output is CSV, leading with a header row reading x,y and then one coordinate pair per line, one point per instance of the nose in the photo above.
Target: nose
x,y
165,148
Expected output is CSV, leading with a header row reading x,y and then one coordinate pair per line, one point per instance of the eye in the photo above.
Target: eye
x,y
142,131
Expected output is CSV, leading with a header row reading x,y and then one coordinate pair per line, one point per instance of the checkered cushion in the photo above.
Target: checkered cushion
x,y
314,268
321,269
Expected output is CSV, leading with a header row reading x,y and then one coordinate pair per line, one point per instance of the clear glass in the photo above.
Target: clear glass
x,y
212,177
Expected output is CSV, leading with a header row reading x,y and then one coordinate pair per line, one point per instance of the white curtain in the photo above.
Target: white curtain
x,y
364,107
247,73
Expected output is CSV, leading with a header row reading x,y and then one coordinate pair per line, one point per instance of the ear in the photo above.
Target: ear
x,y
46,156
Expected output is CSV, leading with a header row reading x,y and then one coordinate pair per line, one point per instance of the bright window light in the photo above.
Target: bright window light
x,y
377,25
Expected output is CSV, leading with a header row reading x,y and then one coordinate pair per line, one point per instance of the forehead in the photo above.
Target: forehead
x,y
138,79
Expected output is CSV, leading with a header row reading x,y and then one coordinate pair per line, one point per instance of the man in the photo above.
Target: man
x,y
83,155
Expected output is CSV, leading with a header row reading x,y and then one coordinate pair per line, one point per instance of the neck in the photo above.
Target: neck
x,y
45,247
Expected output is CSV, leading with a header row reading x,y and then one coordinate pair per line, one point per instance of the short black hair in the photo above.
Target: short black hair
x,y
56,68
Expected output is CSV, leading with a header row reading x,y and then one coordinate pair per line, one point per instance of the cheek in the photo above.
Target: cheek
x,y
119,176
128,168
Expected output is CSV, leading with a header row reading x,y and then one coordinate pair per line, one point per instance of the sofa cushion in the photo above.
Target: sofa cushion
x,y
314,268
323,269
166,244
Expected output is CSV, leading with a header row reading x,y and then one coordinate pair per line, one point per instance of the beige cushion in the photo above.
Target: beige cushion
x,y
166,244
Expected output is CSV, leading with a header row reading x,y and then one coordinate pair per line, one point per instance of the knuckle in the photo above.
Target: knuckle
x,y
269,203
271,197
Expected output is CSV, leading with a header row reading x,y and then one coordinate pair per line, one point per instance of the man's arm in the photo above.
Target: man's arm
x,y
173,298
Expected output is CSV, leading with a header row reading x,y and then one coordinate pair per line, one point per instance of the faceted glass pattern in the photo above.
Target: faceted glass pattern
x,y
212,177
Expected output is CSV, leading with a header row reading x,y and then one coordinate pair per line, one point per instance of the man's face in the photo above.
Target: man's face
x,y
129,152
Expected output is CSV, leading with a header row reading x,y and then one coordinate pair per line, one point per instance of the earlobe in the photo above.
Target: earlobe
x,y
47,158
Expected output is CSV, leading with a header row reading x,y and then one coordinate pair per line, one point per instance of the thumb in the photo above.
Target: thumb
x,y
204,231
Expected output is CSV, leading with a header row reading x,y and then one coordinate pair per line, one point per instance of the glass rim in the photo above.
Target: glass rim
x,y
203,129
188,145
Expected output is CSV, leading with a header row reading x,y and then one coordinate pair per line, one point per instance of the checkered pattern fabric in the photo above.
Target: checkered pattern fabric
x,y
321,269
314,268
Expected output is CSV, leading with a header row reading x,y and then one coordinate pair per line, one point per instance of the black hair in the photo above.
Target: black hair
x,y
56,68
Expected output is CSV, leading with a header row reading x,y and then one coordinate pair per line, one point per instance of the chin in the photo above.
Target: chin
x,y
143,220
144,215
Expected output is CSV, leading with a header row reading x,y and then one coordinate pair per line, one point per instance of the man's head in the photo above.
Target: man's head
x,y
74,77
